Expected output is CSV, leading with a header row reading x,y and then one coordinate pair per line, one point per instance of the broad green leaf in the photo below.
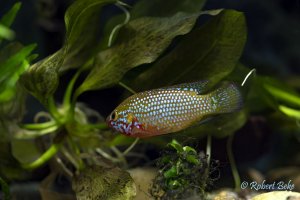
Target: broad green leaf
x,y
42,79
13,62
153,8
165,8
97,182
141,41
210,52
25,151
82,31
219,126
10,114
9,166
82,21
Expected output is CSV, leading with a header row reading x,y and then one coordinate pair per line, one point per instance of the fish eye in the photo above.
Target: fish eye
x,y
114,116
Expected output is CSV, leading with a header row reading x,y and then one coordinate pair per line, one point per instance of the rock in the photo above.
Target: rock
x,y
278,195
104,183
143,178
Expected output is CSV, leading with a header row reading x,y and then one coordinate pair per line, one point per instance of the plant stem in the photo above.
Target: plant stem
x,y
106,155
66,153
67,98
131,146
116,28
126,87
5,189
208,149
119,155
77,152
31,134
53,109
39,126
235,173
46,156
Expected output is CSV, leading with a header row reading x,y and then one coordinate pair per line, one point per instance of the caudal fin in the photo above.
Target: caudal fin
x,y
227,98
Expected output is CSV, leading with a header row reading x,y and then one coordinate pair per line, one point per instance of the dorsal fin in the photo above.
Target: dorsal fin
x,y
200,86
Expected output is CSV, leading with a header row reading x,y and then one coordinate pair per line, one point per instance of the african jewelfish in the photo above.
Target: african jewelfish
x,y
171,109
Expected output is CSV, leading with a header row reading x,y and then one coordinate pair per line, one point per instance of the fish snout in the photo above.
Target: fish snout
x,y
109,121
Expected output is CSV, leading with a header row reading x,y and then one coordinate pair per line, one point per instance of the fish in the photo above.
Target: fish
x,y
174,108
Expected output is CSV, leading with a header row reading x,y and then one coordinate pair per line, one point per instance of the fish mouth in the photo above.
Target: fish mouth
x,y
108,122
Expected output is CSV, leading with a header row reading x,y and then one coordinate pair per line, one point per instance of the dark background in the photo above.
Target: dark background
x,y
273,48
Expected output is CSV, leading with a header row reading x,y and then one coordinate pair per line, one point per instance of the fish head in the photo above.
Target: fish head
x,y
123,120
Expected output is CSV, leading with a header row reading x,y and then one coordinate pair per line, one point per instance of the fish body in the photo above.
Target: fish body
x,y
171,109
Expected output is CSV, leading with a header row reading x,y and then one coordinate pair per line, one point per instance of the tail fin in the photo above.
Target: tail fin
x,y
227,98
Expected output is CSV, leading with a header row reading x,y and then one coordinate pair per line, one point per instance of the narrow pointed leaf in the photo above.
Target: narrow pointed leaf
x,y
6,33
281,91
6,21
13,62
290,112
9,17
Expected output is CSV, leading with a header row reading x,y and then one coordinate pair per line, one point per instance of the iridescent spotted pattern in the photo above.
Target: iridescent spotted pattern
x,y
171,109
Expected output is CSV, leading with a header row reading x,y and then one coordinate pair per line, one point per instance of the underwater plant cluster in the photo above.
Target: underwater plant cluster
x,y
201,117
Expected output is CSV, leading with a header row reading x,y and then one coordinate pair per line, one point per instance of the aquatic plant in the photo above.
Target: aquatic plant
x,y
183,172
138,51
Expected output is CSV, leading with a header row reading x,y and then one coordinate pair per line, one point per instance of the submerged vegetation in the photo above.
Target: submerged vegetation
x,y
183,172
149,45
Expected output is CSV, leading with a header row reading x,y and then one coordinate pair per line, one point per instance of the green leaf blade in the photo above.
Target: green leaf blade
x,y
10,16
6,33
165,8
211,52
42,78
7,20
82,31
141,41
13,62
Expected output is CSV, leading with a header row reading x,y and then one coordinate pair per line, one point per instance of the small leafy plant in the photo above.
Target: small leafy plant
x,y
183,172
